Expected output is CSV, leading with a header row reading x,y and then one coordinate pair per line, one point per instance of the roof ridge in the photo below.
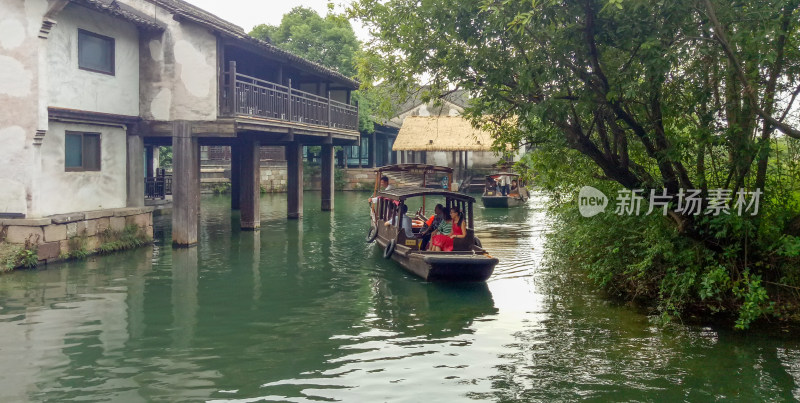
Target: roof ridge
x,y
200,15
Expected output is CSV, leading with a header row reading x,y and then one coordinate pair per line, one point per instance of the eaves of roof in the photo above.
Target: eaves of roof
x,y
184,10
123,12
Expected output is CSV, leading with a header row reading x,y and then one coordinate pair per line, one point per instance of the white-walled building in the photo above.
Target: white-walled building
x,y
86,86
436,134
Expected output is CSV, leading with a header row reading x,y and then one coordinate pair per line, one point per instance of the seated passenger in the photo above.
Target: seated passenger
x,y
406,222
443,237
514,187
491,186
431,225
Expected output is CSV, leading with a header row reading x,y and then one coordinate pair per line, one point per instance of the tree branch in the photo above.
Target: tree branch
x,y
719,34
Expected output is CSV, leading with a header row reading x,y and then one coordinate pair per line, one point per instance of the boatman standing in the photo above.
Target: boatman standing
x,y
503,182
384,186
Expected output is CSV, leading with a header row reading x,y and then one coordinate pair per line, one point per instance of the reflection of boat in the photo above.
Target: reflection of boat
x,y
493,194
468,261
435,310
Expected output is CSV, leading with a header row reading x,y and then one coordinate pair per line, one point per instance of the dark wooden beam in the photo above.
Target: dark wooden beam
x,y
71,115
215,128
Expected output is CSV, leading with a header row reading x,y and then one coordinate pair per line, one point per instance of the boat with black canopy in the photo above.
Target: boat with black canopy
x,y
468,261
504,189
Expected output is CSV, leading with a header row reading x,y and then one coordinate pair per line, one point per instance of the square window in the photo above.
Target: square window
x,y
81,151
74,151
95,52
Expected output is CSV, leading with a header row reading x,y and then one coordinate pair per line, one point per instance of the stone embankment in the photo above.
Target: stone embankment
x,y
80,234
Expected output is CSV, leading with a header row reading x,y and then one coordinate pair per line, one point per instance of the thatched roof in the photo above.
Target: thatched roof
x,y
441,133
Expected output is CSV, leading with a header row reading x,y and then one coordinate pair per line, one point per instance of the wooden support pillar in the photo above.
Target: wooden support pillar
x,y
135,171
289,98
185,185
233,103
466,160
453,160
388,150
360,141
250,183
236,175
156,160
294,181
373,152
327,177
149,161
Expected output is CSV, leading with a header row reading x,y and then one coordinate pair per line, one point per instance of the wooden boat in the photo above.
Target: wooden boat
x,y
467,262
493,196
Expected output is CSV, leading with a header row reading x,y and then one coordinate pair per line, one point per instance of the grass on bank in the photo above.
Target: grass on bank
x,y
643,259
110,241
13,256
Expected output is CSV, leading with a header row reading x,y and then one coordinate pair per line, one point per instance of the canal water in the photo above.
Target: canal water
x,y
307,311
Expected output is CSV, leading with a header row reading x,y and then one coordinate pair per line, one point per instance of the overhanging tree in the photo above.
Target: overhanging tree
x,y
647,94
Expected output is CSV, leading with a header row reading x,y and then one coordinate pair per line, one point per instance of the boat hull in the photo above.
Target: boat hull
x,y
501,201
445,266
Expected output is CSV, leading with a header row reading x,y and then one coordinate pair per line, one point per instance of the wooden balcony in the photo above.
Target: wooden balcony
x,y
246,96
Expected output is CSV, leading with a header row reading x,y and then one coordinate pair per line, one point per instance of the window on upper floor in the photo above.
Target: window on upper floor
x,y
95,52
81,151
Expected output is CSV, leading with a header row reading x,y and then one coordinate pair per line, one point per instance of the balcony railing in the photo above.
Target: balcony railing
x,y
158,187
256,97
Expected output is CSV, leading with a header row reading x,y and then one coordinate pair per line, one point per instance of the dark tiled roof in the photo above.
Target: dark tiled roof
x,y
124,12
318,68
188,11
185,9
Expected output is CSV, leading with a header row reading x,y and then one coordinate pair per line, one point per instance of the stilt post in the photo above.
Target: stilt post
x,y
186,185
251,183
294,182
327,177
135,171
236,174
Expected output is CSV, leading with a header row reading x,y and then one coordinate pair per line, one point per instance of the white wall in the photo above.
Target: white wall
x,y
446,109
178,69
482,159
73,88
66,192
475,159
21,114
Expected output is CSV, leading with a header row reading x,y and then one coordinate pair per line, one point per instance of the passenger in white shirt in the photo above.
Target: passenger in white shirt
x,y
504,182
406,222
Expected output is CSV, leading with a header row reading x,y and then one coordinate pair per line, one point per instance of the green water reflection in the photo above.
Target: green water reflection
x,y
306,311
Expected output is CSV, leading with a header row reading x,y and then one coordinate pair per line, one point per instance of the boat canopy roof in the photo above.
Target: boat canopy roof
x,y
404,193
499,174
413,167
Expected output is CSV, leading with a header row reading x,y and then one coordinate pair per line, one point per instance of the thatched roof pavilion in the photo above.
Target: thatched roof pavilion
x,y
441,133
